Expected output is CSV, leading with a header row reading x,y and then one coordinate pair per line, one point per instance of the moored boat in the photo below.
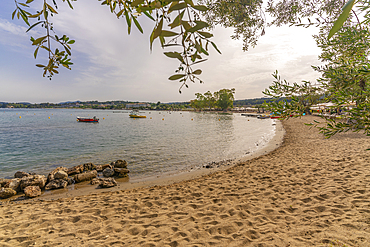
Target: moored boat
x,y
136,114
88,120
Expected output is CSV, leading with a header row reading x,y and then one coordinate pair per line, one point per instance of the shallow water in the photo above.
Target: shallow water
x,y
39,140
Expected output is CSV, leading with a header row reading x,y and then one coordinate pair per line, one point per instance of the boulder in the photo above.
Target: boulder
x,y
95,181
14,184
4,181
121,172
51,175
20,174
33,180
7,192
80,168
104,182
100,168
70,180
108,182
88,167
32,191
108,172
85,176
119,164
61,175
56,184
75,170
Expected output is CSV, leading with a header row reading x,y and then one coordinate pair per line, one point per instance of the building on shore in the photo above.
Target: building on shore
x,y
137,105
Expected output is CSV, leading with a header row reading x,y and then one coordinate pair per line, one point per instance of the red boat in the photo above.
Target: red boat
x,y
89,120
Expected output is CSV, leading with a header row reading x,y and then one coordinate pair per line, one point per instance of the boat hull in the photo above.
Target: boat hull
x,y
136,116
88,120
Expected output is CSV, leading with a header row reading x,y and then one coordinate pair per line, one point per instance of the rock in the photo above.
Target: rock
x,y
61,175
20,174
104,182
95,181
32,191
51,175
108,182
85,176
56,184
4,181
7,192
108,172
81,168
106,166
88,167
100,168
121,172
70,180
33,180
120,164
75,170
14,184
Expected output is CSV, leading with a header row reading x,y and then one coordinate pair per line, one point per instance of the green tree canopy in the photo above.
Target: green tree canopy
x,y
225,98
222,99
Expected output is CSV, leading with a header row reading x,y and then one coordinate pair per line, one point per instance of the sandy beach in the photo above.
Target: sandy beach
x,y
310,191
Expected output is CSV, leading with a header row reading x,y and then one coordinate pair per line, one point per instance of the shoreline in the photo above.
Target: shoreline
x,y
85,188
310,191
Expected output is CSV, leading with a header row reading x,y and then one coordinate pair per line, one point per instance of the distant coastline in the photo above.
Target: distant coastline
x,y
126,105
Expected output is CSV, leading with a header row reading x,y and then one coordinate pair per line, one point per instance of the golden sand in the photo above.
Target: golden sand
x,y
310,191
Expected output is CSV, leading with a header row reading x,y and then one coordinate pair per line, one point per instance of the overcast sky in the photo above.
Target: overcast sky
x,y
111,65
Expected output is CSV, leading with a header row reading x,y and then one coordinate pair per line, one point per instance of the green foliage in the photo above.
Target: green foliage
x,y
342,18
225,98
249,21
344,83
222,99
345,79
246,17
298,98
57,57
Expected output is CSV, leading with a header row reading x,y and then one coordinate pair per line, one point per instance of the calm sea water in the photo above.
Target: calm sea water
x,y
39,140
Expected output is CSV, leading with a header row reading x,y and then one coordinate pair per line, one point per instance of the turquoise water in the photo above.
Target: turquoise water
x,y
38,140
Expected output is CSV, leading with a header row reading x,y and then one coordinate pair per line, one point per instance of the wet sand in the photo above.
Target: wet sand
x,y
310,191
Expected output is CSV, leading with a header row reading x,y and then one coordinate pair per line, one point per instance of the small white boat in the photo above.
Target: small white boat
x,y
136,114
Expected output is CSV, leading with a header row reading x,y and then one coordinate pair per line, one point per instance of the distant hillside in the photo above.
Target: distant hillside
x,y
69,102
252,102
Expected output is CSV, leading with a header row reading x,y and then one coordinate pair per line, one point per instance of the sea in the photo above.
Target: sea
x,y
39,140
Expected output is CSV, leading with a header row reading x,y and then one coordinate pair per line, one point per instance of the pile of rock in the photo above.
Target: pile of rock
x,y
32,184
116,169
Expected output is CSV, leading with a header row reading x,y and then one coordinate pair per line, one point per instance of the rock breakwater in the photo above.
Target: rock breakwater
x,y
32,185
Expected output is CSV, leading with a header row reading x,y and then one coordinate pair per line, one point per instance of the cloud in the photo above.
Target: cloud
x,y
6,26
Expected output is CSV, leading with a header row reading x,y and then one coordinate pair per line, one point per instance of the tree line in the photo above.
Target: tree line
x,y
219,100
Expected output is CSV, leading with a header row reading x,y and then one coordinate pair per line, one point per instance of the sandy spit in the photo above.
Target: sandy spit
x,y
310,191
